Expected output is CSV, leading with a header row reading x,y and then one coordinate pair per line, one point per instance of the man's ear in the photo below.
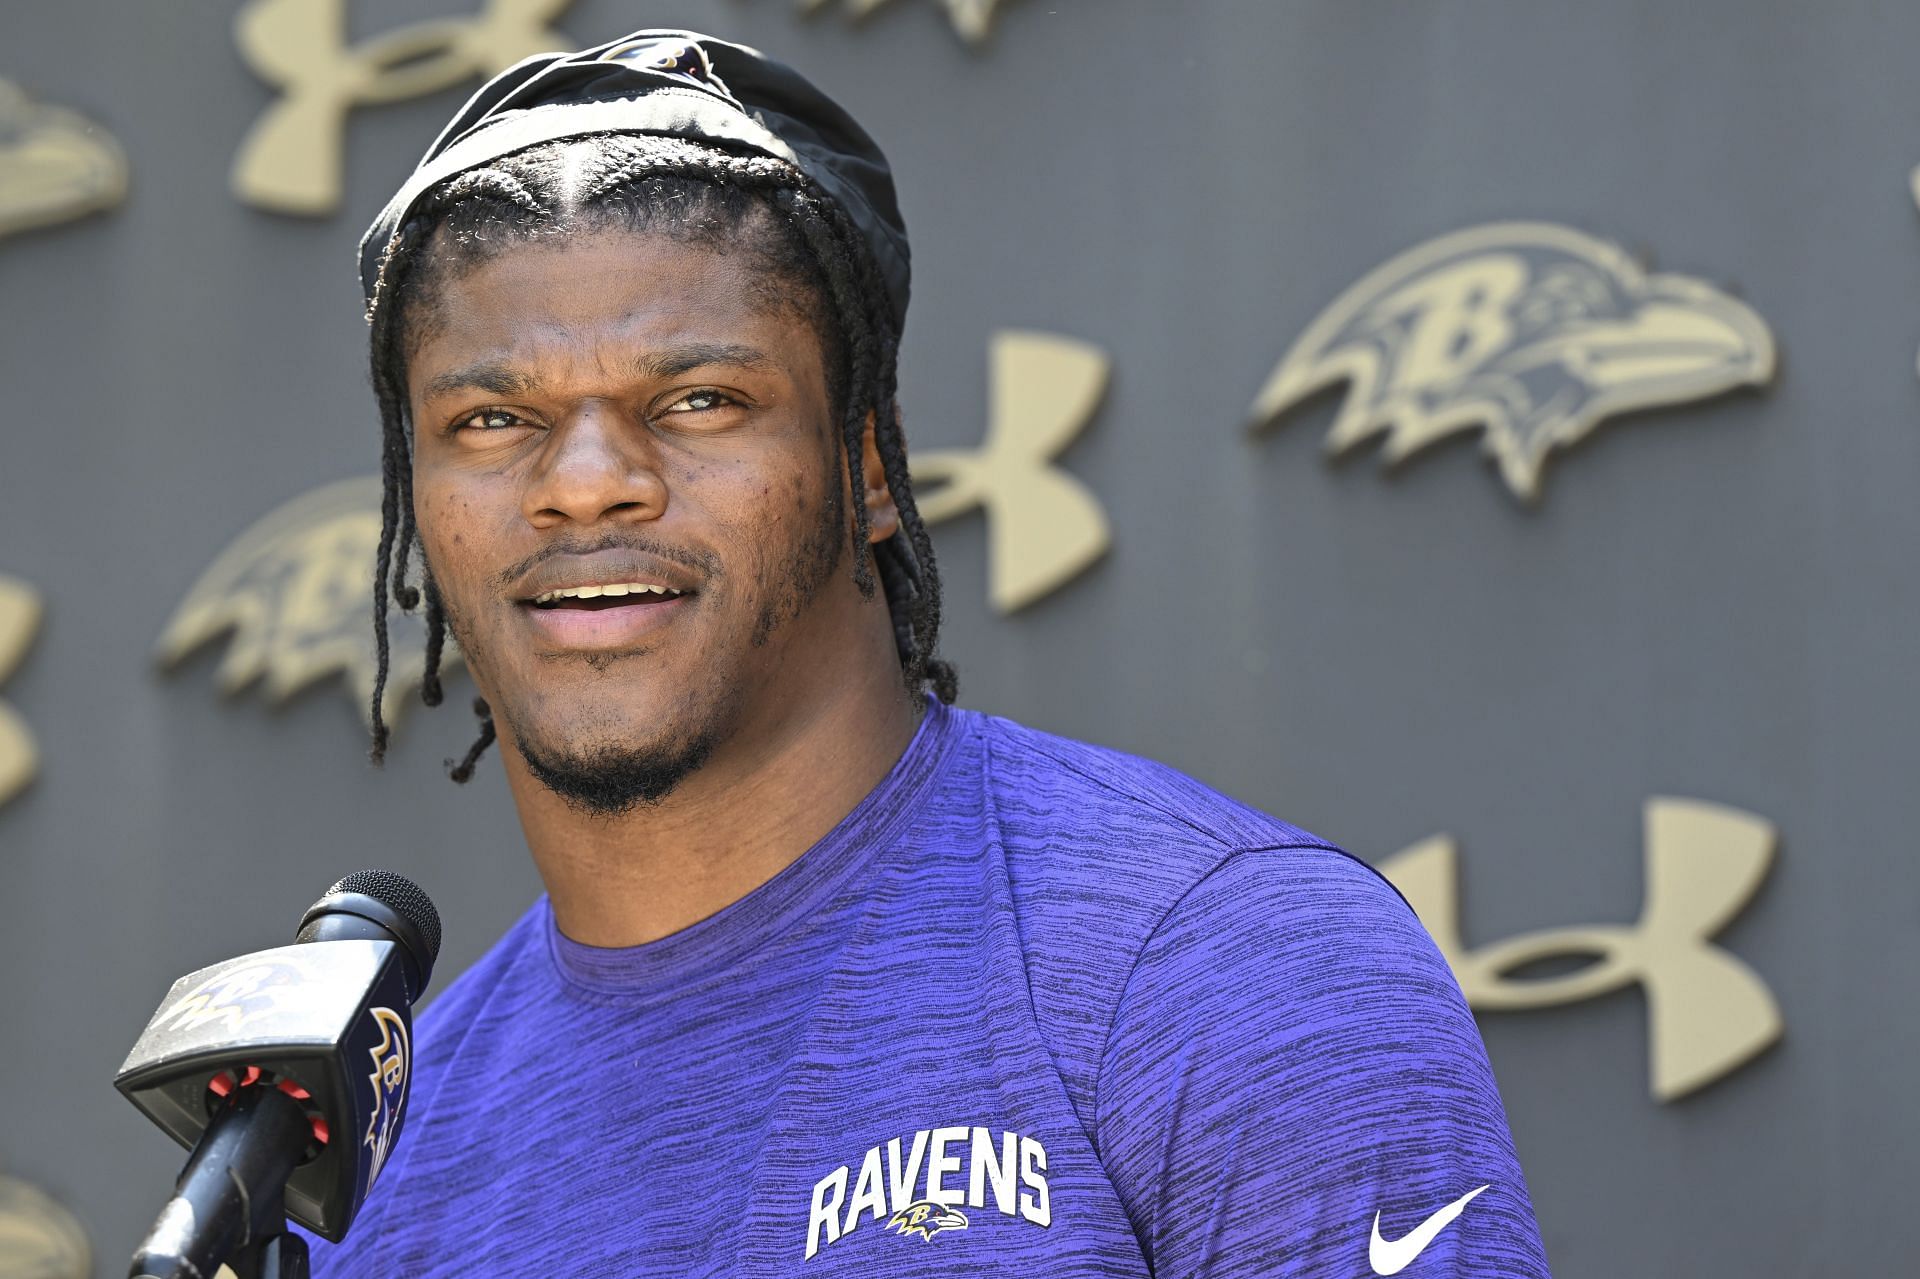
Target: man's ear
x,y
883,517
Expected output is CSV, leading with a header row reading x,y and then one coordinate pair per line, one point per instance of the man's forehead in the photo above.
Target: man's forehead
x,y
604,276
741,259
509,374
638,299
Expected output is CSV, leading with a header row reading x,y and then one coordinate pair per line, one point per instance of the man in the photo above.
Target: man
x,y
830,978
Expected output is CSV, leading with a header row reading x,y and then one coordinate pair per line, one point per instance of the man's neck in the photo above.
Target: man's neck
x,y
753,808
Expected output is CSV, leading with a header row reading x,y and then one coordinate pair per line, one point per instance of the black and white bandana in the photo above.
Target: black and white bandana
x,y
676,84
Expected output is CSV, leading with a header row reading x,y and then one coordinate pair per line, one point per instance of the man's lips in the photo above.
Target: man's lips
x,y
601,600
604,622
573,572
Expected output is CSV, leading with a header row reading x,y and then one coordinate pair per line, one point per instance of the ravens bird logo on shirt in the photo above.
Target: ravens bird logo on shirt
x,y
294,591
927,1218
1531,332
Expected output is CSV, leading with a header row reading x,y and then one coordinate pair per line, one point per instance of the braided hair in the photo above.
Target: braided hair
x,y
697,193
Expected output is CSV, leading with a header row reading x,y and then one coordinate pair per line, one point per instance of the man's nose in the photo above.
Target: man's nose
x,y
598,463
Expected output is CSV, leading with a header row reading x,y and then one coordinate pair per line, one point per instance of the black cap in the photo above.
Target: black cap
x,y
677,84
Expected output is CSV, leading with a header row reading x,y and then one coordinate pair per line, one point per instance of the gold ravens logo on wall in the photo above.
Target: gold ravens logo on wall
x,y
1530,332
296,593
55,165
39,1239
973,19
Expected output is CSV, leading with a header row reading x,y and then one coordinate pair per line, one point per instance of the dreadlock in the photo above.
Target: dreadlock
x,y
696,193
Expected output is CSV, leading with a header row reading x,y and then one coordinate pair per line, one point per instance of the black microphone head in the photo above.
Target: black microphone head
x,y
389,901
404,896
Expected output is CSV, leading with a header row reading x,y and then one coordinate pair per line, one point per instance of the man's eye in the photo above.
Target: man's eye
x,y
489,420
701,401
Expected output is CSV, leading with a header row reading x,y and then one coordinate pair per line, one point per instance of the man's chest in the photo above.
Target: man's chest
x,y
1006,1191
793,1145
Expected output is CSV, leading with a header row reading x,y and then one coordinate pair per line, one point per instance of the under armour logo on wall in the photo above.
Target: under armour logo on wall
x,y
1707,1012
291,160
1044,527
19,623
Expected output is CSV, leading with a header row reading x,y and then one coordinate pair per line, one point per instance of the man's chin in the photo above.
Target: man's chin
x,y
614,779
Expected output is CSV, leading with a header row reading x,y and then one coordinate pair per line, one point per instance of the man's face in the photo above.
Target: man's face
x,y
629,488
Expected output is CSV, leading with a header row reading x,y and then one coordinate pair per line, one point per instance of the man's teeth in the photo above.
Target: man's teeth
x,y
595,592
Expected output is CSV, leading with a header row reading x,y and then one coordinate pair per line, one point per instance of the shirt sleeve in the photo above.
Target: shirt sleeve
x,y
1293,1086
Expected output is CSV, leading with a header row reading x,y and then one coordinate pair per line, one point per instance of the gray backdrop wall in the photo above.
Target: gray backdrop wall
x,y
1716,600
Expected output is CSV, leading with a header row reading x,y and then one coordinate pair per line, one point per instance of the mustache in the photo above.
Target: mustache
x,y
702,562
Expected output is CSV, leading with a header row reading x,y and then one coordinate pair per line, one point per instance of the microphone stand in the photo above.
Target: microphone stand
x,y
230,1204
281,1256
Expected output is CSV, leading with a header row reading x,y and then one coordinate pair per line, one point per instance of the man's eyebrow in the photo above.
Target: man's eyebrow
x,y
674,361
496,378
488,375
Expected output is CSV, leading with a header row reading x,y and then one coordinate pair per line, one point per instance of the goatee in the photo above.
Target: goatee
x,y
611,781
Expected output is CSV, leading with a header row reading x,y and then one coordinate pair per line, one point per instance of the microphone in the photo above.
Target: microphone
x,y
286,1073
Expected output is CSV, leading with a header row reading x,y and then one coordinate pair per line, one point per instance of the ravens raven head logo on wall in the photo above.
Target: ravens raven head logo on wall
x,y
55,165
973,19
1531,332
39,1239
296,593
927,1218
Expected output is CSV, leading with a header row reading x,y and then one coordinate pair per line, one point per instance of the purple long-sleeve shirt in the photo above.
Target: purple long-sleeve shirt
x,y
1033,1008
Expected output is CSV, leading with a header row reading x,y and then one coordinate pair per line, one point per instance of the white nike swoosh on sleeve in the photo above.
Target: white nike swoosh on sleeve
x,y
1390,1258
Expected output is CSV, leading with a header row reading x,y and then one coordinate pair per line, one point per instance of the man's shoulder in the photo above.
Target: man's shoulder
x,y
1103,850
1093,831
1124,805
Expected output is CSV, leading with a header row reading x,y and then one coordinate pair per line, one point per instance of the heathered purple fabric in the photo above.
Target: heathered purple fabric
x,y
1071,1012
